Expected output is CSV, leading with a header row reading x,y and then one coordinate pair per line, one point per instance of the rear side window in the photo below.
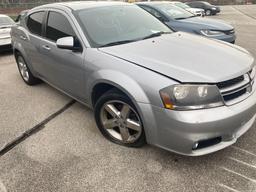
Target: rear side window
x,y
193,4
58,26
35,22
199,4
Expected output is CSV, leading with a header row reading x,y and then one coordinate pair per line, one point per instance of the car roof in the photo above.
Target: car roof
x,y
152,2
197,2
175,2
78,5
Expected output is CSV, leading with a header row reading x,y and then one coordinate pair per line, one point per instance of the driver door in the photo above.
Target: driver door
x,y
63,68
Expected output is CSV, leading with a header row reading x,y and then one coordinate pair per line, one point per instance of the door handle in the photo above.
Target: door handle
x,y
46,47
23,37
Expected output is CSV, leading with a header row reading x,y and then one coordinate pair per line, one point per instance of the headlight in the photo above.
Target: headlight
x,y
214,8
189,97
211,33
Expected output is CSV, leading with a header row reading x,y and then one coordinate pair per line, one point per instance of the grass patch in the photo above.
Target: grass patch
x,y
13,16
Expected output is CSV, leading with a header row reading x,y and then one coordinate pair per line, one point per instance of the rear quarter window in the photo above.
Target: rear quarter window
x,y
35,22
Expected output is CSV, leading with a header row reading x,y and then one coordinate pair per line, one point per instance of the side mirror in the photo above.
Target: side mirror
x,y
159,17
162,19
68,43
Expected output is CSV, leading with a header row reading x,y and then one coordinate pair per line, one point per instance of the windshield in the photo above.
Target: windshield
x,y
206,3
174,12
6,21
182,5
118,23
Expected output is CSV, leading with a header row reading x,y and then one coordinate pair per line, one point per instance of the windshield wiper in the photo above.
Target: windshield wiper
x,y
180,18
193,16
117,43
156,34
129,41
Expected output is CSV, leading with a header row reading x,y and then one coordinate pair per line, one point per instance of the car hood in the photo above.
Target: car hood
x,y
186,57
206,23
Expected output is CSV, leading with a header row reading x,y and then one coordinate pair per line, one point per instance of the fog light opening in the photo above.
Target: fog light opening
x,y
206,143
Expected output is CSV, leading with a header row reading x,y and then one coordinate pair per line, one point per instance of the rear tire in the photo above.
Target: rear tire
x,y
208,12
118,119
25,72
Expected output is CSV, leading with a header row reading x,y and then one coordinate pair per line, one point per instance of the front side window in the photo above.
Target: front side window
x,y
104,25
35,22
205,3
58,26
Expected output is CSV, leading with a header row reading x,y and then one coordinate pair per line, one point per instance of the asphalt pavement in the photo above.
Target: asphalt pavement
x,y
48,142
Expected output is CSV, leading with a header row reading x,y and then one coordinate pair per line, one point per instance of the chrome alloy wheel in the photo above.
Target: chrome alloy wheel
x,y
23,69
208,12
121,121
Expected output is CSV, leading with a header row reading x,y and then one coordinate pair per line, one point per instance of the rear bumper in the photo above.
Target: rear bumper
x,y
179,131
5,47
215,11
5,44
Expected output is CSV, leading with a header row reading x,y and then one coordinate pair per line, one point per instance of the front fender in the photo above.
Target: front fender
x,y
119,80
131,88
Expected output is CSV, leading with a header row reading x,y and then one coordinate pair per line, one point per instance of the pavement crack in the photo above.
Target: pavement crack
x,y
34,129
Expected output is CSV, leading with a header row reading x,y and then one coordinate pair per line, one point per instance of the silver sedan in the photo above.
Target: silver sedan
x,y
5,27
146,84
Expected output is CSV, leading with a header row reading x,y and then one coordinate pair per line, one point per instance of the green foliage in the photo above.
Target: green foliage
x,y
13,17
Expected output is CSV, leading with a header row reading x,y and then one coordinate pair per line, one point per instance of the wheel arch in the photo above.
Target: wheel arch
x,y
104,80
18,48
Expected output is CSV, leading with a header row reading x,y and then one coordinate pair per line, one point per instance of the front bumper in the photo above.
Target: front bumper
x,y
178,131
228,38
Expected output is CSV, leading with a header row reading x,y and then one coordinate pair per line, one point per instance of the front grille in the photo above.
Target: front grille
x,y
235,90
228,83
234,95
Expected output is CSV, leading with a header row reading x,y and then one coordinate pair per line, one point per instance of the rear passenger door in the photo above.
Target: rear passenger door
x,y
200,5
62,68
194,4
34,23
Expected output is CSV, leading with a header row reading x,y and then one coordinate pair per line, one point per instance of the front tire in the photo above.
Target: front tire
x,y
25,72
118,119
